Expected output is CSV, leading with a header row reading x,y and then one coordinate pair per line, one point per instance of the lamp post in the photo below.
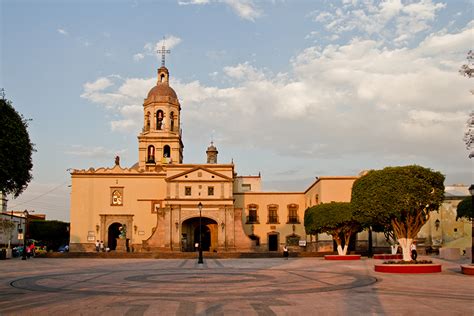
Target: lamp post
x,y
24,235
471,190
200,261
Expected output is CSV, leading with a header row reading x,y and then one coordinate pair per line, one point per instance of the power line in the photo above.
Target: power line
x,y
37,197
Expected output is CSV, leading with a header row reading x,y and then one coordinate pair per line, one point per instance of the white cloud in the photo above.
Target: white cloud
x,y
63,32
359,98
151,48
246,9
243,72
193,2
138,57
390,20
98,85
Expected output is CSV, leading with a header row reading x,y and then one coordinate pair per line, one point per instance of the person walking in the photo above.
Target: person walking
x,y
285,252
414,254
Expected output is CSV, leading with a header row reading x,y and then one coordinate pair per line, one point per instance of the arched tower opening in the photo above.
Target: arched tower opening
x,y
166,151
150,154
159,119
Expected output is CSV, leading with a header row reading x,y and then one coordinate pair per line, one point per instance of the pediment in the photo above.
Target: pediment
x,y
198,174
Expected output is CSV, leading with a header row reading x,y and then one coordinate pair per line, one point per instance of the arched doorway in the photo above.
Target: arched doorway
x,y
113,234
190,234
205,237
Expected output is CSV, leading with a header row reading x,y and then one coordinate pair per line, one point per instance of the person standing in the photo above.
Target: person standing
x,y
414,254
101,246
97,246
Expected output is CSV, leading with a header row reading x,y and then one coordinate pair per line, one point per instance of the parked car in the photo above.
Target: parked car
x,y
64,248
17,251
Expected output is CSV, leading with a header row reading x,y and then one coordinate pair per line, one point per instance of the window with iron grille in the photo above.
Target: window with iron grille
x,y
293,214
187,191
272,214
252,217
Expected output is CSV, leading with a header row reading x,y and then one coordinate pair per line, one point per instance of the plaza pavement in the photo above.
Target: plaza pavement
x,y
272,286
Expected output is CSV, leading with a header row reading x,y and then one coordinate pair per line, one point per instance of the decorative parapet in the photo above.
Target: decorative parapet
x,y
103,170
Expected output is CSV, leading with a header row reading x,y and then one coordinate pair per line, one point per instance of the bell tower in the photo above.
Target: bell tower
x,y
160,142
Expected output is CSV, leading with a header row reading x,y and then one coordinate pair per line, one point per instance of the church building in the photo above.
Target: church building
x,y
162,204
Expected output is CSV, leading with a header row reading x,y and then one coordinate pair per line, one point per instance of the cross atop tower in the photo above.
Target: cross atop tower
x,y
163,51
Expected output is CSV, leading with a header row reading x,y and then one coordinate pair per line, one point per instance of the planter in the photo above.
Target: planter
x,y
339,257
467,269
388,256
408,268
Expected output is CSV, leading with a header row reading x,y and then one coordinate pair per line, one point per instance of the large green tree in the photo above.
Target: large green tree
x,y
465,209
15,151
401,197
336,219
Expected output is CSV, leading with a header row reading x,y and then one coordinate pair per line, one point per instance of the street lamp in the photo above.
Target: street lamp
x,y
24,235
200,261
471,190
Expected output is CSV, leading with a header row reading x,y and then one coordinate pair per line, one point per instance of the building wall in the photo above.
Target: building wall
x,y
6,235
91,204
262,228
327,190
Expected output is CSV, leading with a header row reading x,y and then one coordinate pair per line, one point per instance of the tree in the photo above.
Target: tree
x,y
52,233
7,226
467,70
15,151
465,209
335,219
401,197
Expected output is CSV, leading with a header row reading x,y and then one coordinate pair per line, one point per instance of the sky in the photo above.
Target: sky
x,y
291,89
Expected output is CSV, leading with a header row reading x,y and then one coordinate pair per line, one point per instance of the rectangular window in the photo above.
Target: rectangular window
x,y
246,187
210,191
293,214
272,214
187,191
253,217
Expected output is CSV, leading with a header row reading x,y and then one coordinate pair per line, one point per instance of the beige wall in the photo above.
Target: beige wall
x,y
247,184
263,200
91,198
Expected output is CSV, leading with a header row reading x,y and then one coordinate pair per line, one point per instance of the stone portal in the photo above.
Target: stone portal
x,y
190,234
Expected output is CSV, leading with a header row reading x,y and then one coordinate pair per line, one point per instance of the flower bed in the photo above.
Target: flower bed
x,y
339,257
409,262
422,266
467,269
388,256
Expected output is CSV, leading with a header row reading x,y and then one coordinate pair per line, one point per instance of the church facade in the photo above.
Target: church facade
x,y
161,204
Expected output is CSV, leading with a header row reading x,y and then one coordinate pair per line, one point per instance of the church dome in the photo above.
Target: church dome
x,y
211,147
162,90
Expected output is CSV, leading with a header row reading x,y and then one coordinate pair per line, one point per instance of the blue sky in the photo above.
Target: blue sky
x,y
292,89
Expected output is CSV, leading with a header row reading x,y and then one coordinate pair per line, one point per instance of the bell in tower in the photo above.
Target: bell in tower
x,y
212,153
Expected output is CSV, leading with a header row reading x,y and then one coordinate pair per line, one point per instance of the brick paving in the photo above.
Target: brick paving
x,y
271,286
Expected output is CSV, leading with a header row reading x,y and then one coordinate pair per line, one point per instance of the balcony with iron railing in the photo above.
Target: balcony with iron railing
x,y
273,219
252,219
293,219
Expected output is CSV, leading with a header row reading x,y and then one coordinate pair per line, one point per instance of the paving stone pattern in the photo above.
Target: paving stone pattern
x,y
272,286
